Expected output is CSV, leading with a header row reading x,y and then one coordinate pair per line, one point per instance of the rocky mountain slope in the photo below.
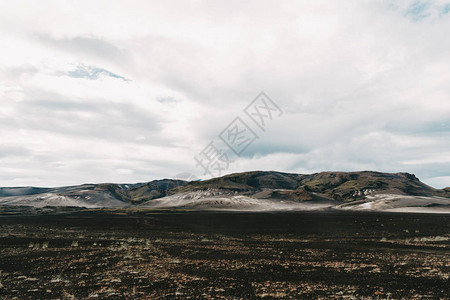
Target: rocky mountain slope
x,y
89,195
257,190
341,186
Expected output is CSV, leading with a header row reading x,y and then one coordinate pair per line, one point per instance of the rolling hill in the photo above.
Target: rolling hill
x,y
256,190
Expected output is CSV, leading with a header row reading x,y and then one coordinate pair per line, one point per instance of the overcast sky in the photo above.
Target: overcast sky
x,y
130,91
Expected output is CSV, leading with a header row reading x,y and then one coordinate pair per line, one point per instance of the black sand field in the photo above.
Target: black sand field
x,y
207,255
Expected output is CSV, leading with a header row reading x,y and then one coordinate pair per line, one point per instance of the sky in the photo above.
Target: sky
x,y
131,91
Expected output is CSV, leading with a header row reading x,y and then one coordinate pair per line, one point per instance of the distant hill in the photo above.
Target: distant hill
x,y
89,195
340,186
263,190
20,191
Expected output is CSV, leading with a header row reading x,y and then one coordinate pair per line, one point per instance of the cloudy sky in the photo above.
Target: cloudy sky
x,y
130,91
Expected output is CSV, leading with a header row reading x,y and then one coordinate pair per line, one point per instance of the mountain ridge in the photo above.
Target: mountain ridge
x,y
264,189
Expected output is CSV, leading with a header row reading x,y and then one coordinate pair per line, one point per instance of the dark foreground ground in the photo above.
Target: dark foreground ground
x,y
201,255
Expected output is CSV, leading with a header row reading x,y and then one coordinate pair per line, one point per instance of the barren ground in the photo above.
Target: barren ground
x,y
205,255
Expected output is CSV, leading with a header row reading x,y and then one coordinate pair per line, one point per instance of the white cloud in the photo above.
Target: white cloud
x,y
364,85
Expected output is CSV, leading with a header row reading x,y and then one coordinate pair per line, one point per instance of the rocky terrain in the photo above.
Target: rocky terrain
x,y
88,195
258,191
123,254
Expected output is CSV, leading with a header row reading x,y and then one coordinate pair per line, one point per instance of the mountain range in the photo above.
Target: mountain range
x,y
254,191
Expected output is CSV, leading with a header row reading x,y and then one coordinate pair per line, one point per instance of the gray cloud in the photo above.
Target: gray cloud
x,y
89,118
87,46
13,150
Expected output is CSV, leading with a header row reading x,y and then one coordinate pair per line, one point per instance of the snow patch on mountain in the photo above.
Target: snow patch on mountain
x,y
400,203
213,199
51,199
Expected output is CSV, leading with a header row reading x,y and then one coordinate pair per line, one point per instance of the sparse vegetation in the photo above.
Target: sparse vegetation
x,y
169,254
340,186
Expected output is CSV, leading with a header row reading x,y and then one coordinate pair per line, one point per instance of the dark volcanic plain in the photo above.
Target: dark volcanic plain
x,y
123,254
